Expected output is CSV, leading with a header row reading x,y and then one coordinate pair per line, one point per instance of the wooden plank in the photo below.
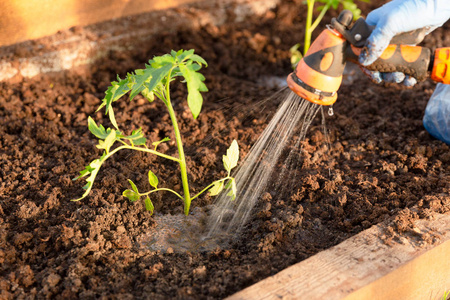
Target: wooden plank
x,y
363,267
83,47
426,277
30,19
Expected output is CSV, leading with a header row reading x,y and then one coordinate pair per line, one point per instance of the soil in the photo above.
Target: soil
x,y
384,167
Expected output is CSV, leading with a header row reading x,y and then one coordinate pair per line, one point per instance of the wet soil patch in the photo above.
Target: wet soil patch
x,y
381,166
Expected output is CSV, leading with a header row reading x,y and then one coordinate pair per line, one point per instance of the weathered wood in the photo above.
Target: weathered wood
x,y
426,277
30,19
83,47
363,267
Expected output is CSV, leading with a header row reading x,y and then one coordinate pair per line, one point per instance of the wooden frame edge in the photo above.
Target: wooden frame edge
x,y
364,267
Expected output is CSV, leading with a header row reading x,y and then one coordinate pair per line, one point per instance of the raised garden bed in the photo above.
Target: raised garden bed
x,y
384,168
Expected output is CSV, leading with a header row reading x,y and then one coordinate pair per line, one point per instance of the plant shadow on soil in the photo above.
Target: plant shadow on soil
x,y
383,164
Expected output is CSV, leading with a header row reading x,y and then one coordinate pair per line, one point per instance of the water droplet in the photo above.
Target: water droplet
x,y
330,111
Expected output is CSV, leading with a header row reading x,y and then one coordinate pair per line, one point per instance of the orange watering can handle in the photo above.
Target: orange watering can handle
x,y
398,57
410,60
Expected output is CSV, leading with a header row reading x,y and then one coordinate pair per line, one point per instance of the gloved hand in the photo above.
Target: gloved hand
x,y
396,17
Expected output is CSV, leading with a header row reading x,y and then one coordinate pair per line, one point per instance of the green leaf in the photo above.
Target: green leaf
x,y
195,85
108,142
112,118
156,144
216,188
91,170
114,92
160,61
230,160
185,55
140,78
226,163
149,205
158,76
137,138
131,195
133,186
198,59
152,179
98,131
233,154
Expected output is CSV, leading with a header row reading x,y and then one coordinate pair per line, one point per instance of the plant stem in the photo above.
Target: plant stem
x,y
319,17
182,159
126,146
308,31
209,186
147,150
163,189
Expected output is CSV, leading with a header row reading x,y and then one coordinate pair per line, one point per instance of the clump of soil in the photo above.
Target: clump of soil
x,y
381,159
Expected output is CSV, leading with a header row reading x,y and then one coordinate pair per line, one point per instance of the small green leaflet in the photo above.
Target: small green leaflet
x,y
140,77
184,55
175,53
156,144
98,131
230,160
157,76
226,163
131,195
112,117
108,142
152,179
195,85
114,92
159,61
149,205
216,188
233,154
137,138
198,59
133,186
92,171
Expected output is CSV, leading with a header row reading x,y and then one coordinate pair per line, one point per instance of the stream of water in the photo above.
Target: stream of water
x,y
261,170
257,170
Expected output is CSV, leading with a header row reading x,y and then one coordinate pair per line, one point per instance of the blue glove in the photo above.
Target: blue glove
x,y
400,16
437,114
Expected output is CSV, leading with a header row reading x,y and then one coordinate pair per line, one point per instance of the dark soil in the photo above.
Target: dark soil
x,y
384,167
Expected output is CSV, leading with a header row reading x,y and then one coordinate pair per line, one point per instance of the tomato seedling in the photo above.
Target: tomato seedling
x,y
154,81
